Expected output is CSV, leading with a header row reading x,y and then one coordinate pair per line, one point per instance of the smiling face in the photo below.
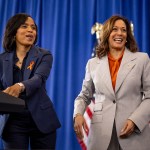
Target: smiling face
x,y
118,36
26,33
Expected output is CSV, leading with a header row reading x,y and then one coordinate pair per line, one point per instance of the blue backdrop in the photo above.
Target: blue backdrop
x,y
65,29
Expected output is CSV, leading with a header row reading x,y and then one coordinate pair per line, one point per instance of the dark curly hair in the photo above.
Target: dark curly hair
x,y
9,43
103,48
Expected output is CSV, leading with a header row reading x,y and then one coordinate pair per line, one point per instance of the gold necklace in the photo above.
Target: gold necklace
x,y
20,62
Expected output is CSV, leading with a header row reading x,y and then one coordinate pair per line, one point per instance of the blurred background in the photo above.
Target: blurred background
x,y
64,28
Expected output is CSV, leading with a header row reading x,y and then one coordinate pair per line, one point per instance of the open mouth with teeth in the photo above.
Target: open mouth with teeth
x,y
118,39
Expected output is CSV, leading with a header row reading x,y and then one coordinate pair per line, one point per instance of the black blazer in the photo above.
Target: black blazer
x,y
37,70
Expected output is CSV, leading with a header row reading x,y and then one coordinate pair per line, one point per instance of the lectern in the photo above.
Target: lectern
x,y
10,104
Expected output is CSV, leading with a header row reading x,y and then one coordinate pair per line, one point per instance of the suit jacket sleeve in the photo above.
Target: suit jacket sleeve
x,y
86,94
141,116
40,74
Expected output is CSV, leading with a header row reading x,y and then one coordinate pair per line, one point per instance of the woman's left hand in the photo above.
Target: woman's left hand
x,y
128,129
13,90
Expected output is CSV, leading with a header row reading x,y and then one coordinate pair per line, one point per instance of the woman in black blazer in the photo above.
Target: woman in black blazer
x,y
24,69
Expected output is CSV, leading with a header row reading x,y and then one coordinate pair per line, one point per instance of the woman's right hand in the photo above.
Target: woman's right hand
x,y
79,125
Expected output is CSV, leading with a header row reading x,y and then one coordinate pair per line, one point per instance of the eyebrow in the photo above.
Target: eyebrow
x,y
120,27
28,24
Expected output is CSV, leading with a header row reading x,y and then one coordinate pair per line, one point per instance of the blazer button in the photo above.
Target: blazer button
x,y
114,101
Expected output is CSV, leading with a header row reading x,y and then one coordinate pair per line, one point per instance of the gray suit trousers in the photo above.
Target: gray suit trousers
x,y
114,143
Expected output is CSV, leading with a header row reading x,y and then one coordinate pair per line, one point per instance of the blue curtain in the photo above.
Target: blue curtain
x,y
65,30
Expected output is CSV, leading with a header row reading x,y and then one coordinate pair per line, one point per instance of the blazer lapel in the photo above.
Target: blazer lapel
x,y
30,63
126,66
104,72
8,68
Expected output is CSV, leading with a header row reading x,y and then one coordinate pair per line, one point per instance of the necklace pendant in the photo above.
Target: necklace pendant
x,y
19,62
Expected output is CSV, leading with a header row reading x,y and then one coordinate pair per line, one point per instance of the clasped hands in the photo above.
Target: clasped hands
x,y
80,124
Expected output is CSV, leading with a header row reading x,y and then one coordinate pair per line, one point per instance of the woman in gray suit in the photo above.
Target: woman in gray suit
x,y
120,78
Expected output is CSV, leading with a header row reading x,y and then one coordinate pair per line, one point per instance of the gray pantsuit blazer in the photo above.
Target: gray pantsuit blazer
x,y
126,102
